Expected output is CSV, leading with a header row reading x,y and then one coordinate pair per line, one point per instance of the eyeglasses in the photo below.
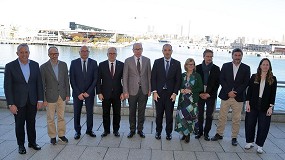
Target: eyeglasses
x,y
137,49
53,54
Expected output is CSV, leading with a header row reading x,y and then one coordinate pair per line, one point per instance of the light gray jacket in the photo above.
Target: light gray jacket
x,y
131,77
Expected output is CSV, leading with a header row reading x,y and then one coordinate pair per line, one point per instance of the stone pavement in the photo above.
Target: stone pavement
x,y
136,148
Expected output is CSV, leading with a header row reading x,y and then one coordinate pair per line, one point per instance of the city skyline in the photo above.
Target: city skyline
x,y
253,19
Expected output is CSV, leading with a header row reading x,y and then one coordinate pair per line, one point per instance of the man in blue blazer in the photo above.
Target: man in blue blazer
x,y
234,80
24,94
83,79
165,84
110,90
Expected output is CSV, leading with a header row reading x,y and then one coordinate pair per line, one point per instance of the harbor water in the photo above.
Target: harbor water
x,y
152,51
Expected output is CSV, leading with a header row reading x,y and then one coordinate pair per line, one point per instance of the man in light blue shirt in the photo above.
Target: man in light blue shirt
x,y
24,95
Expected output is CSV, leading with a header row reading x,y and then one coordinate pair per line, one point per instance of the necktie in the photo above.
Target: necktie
x,y
139,66
167,67
84,69
112,70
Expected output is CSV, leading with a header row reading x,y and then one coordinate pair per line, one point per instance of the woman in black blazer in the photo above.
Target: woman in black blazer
x,y
260,101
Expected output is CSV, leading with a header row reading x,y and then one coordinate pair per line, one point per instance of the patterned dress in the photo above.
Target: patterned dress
x,y
187,110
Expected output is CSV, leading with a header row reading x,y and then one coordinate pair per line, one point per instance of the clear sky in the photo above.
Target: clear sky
x,y
232,18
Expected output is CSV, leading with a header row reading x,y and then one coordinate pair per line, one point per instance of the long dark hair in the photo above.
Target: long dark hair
x,y
269,75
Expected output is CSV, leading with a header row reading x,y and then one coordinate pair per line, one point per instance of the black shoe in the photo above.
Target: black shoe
x,y
131,134
187,138
183,137
63,139
198,136
91,133
141,134
234,142
22,149
216,137
157,136
34,146
53,141
206,137
77,135
104,134
168,136
116,134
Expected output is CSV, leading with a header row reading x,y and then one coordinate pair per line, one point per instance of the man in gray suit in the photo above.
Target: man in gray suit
x,y
136,87
56,93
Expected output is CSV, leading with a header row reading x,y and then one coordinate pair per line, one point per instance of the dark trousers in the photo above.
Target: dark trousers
x,y
210,107
137,102
115,102
26,114
164,105
251,118
77,105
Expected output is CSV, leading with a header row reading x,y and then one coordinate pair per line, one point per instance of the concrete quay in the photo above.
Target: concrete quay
x,y
136,148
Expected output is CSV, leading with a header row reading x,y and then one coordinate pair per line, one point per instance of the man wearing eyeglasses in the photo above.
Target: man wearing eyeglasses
x,y
165,83
83,79
56,92
136,88
110,91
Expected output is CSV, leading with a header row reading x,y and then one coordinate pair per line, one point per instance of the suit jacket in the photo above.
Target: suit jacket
x,y
17,90
107,85
213,79
53,87
268,96
131,77
78,84
239,84
159,79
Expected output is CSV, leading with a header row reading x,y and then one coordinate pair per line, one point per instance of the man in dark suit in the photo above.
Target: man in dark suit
x,y
165,84
210,76
234,80
24,94
83,79
110,90
136,87
56,93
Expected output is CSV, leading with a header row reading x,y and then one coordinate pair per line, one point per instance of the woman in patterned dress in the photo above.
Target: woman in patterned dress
x,y
186,114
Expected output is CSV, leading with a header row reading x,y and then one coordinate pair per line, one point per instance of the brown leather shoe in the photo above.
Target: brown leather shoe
x,y
187,138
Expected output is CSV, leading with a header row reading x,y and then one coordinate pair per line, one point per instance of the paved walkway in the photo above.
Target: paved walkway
x,y
136,148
